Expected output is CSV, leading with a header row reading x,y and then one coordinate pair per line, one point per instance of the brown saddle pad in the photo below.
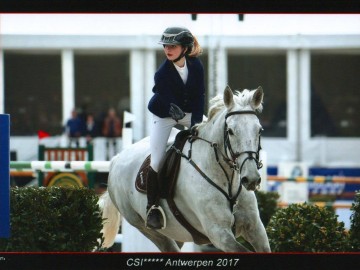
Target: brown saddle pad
x,y
141,177
169,171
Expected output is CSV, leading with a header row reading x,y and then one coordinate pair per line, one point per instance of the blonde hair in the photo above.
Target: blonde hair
x,y
196,49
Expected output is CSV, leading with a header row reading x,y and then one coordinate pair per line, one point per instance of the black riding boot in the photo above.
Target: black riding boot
x,y
153,214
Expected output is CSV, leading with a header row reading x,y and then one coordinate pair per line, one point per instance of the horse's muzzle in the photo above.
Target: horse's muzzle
x,y
251,185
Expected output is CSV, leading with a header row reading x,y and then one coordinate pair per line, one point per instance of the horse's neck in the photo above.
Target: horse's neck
x,y
213,131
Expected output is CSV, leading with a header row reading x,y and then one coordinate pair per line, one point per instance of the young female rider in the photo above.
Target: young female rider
x,y
179,95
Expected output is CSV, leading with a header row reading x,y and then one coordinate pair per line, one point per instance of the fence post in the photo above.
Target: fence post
x,y
41,156
90,175
127,131
4,175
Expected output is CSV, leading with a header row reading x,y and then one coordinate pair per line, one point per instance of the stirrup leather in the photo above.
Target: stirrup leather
x,y
154,207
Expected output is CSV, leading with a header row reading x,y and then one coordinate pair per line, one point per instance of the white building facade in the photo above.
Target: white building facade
x,y
293,57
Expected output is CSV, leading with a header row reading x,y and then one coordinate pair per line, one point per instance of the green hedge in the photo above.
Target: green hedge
x,y
307,228
53,219
355,223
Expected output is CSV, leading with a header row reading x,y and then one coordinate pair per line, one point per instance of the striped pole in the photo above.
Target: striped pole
x,y
316,179
97,166
334,205
4,176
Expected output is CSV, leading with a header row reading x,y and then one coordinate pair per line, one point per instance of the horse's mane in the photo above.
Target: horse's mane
x,y
242,98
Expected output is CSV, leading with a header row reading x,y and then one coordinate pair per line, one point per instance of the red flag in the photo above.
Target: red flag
x,y
43,134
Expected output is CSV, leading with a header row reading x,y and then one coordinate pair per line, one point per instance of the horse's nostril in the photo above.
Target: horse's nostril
x,y
259,181
244,180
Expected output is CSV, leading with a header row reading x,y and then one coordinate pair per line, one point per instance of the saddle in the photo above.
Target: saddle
x,y
167,176
168,172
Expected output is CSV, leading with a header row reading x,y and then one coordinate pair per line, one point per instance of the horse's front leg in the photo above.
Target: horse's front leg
x,y
217,225
257,237
225,240
250,226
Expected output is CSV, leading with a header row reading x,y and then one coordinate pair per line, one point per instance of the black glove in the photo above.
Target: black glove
x,y
175,112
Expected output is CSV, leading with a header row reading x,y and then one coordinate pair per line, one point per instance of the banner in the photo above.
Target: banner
x,y
4,176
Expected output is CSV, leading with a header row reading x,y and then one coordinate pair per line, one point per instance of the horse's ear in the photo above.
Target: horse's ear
x,y
257,98
228,97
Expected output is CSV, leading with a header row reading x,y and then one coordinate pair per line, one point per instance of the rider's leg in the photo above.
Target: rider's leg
x,y
159,135
153,215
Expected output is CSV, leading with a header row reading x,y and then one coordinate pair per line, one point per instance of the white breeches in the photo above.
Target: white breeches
x,y
159,135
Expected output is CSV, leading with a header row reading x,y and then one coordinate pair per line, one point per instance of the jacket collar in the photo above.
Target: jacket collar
x,y
175,74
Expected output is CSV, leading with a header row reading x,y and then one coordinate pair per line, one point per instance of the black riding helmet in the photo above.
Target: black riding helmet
x,y
178,36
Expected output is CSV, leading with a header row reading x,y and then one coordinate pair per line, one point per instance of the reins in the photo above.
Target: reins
x,y
231,162
229,197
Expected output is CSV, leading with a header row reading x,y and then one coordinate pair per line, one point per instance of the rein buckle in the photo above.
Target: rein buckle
x,y
235,167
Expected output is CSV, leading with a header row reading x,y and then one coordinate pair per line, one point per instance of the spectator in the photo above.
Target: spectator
x,y
111,131
73,129
82,115
90,129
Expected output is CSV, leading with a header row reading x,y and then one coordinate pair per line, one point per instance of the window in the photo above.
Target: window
x,y
335,98
102,82
248,71
33,92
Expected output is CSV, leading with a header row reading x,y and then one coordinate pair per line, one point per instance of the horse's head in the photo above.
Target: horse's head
x,y
242,133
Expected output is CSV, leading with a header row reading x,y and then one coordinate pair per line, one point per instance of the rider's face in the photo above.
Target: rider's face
x,y
172,51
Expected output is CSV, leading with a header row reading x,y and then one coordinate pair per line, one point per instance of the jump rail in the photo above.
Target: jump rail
x,y
322,204
89,166
316,179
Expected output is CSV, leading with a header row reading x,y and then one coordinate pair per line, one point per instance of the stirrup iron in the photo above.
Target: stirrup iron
x,y
162,214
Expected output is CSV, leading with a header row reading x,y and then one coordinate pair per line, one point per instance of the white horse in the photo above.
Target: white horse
x,y
212,200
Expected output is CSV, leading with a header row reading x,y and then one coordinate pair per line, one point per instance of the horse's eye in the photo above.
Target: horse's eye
x,y
230,131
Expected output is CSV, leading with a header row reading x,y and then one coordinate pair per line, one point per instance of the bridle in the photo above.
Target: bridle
x,y
231,162
235,155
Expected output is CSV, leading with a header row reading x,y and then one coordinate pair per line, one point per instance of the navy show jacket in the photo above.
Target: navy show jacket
x,y
170,88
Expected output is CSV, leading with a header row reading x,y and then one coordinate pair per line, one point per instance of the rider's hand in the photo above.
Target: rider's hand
x,y
175,112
